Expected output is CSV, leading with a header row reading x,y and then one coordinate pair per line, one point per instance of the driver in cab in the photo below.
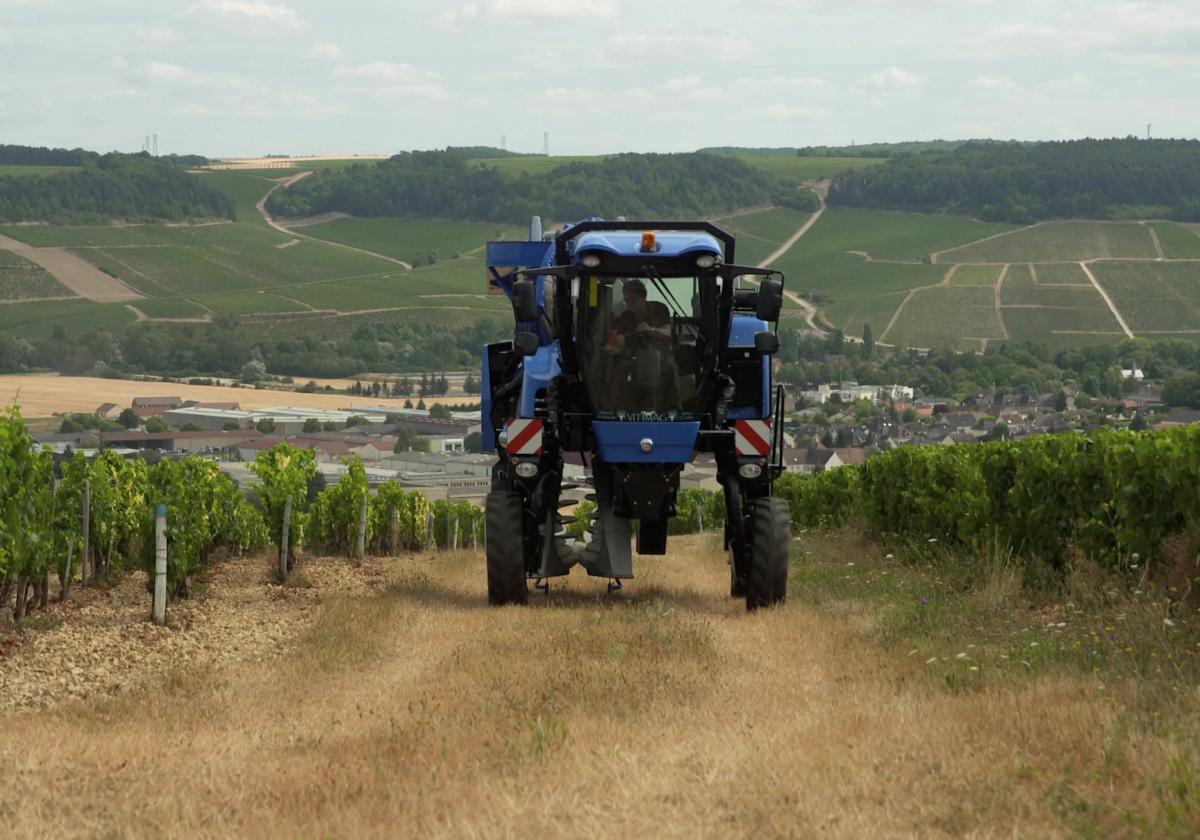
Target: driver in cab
x,y
640,315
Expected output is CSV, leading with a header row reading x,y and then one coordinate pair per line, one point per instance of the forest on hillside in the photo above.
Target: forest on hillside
x,y
444,185
1024,182
105,188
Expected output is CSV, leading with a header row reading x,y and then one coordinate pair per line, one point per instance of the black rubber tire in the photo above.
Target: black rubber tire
x,y
504,513
770,538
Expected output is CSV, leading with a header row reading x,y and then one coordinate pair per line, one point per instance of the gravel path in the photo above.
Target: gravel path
x,y
104,643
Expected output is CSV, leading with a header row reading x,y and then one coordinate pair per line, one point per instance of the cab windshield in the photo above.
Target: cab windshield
x,y
640,345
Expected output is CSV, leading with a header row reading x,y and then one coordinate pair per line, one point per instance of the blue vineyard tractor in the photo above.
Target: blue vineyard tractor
x,y
637,345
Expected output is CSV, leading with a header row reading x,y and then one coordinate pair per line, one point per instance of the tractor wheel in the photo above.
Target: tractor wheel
x,y
770,535
505,511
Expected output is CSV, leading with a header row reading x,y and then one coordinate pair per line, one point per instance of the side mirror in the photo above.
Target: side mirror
x,y
766,343
526,343
524,300
770,300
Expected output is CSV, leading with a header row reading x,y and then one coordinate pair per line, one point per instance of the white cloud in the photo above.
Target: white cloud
x,y
554,8
118,61
156,34
892,79
672,45
193,109
382,71
326,50
307,104
161,71
780,111
681,83
260,15
529,10
6,36
993,84
389,79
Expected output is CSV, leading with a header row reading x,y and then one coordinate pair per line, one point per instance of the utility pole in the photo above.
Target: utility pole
x,y
546,143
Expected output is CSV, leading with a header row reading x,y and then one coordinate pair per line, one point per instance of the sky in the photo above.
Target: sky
x,y
253,77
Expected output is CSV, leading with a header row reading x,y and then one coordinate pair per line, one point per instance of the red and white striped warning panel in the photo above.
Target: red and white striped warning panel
x,y
524,437
752,437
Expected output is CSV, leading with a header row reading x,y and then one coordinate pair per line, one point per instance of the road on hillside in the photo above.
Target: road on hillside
x,y
261,206
819,188
662,711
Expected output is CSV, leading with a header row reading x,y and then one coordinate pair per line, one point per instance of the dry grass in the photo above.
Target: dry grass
x,y
662,711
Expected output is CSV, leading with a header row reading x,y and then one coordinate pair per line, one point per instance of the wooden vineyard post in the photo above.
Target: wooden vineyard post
x,y
159,607
85,557
393,531
429,531
475,535
454,541
65,583
699,520
283,539
360,545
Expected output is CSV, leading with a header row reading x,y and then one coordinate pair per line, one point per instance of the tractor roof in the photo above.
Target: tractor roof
x,y
629,243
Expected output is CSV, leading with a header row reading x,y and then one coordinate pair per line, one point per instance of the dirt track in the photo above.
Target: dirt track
x,y
663,711
81,277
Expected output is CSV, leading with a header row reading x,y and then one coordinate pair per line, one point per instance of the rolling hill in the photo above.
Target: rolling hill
x,y
924,280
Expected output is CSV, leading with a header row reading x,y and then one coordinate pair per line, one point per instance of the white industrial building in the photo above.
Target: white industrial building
x,y
851,392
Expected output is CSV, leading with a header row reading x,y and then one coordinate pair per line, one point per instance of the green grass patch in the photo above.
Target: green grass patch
x,y
759,233
1053,316
1153,296
1178,242
455,284
976,275
38,320
245,190
1060,241
947,317
170,308
54,236
850,316
797,168
891,236
20,171
973,620
249,302
1067,273
411,239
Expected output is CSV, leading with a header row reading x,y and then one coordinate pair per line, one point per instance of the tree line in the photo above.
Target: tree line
x,y
1027,182
112,187
445,185
226,346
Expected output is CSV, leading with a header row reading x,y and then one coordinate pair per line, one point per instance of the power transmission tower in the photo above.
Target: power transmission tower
x,y
155,153
546,143
146,144
503,143
1147,131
